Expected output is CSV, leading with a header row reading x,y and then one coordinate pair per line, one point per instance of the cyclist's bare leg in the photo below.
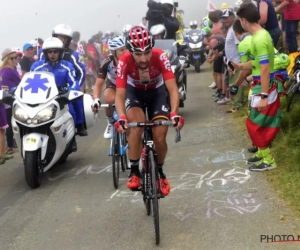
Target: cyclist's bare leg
x,y
159,137
135,114
109,98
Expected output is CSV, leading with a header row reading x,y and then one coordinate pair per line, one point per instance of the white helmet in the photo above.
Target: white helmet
x,y
193,24
63,30
53,43
126,29
158,29
171,2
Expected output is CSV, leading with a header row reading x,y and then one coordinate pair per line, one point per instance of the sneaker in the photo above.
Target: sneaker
x,y
134,181
213,85
216,94
263,166
254,159
10,151
8,156
253,149
223,101
164,185
2,160
108,131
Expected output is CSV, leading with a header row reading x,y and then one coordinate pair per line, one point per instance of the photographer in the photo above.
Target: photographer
x,y
161,13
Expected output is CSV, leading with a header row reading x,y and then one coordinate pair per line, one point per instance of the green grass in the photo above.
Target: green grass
x,y
286,150
285,179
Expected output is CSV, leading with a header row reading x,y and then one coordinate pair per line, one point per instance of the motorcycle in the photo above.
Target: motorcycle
x,y
197,53
179,64
43,128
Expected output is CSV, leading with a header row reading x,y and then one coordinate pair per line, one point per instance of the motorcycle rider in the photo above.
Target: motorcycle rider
x,y
64,73
108,69
193,25
126,29
65,34
161,13
158,31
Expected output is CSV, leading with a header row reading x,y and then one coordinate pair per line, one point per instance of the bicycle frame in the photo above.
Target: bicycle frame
x,y
122,149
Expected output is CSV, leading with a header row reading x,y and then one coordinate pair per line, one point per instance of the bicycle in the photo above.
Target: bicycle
x,y
150,185
293,90
118,149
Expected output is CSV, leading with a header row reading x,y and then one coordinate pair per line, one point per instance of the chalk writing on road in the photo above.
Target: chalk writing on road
x,y
221,177
209,156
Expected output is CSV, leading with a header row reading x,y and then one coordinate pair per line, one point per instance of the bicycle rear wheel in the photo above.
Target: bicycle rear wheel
x,y
155,205
116,159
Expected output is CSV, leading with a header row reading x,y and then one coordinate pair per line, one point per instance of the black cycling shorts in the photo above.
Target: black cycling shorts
x,y
218,65
154,100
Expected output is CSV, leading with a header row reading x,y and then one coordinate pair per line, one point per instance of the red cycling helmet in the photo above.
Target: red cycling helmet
x,y
139,39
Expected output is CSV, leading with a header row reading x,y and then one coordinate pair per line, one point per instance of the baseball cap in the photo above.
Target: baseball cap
x,y
26,46
6,52
227,13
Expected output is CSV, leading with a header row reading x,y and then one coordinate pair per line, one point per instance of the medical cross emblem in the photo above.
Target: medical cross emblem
x,y
36,83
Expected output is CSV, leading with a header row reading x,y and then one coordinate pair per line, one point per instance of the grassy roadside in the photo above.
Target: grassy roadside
x,y
285,179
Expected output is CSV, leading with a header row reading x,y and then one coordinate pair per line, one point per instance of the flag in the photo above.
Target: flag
x,y
210,6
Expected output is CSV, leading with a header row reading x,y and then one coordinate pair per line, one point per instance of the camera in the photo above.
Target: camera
x,y
176,4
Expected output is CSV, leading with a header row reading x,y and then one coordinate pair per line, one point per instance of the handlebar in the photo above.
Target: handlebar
x,y
155,124
107,105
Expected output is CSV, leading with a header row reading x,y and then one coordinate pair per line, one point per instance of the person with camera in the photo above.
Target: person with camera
x,y
161,13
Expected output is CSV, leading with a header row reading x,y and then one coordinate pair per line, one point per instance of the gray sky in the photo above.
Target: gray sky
x,y
22,21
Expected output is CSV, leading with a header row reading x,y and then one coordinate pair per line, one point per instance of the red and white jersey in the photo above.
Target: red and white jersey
x,y
159,71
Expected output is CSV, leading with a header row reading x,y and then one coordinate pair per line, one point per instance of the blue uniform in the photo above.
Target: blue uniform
x,y
80,78
64,74
74,60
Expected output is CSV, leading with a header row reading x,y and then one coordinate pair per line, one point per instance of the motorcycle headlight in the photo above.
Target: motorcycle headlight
x,y
20,114
173,68
43,116
46,114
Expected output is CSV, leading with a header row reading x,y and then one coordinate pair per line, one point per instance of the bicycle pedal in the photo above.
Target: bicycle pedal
x,y
136,189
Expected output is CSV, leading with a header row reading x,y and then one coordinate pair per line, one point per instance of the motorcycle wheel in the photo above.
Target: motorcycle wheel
x,y
197,65
33,170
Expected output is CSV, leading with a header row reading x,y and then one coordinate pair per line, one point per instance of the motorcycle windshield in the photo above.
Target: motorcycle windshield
x,y
195,36
169,46
36,88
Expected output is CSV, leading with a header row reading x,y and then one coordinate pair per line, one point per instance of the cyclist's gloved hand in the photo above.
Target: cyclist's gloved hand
x,y
96,105
233,89
177,120
121,124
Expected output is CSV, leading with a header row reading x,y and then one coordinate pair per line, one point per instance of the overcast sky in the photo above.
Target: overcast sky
x,y
22,21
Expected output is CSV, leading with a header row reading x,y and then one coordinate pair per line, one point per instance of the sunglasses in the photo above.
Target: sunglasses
x,y
13,58
52,51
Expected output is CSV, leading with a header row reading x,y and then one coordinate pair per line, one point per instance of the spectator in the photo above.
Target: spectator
x,y
231,52
9,78
268,19
291,14
161,13
144,22
92,65
19,54
27,59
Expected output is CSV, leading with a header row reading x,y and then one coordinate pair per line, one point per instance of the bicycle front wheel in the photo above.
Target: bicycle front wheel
x,y
293,96
116,159
155,207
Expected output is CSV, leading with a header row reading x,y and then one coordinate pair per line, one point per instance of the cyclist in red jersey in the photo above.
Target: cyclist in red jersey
x,y
143,72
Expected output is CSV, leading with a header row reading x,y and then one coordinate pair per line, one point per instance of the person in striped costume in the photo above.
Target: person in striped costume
x,y
263,122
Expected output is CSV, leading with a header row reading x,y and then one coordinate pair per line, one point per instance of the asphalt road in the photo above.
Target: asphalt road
x,y
215,202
